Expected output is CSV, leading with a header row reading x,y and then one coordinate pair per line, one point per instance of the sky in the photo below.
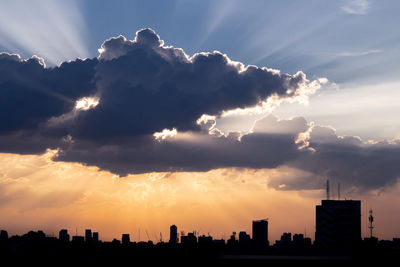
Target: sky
x,y
205,114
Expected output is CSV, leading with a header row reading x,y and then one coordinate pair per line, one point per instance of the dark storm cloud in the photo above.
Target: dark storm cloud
x,y
194,151
144,87
30,94
355,164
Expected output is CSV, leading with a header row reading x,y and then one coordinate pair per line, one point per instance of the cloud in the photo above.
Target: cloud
x,y
357,7
191,151
142,106
356,164
137,87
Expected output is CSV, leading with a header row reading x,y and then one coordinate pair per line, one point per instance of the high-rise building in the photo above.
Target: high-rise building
x,y
244,239
173,234
95,237
88,235
338,224
260,233
63,235
126,239
3,235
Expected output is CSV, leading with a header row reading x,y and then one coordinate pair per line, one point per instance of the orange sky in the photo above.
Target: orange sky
x,y
37,193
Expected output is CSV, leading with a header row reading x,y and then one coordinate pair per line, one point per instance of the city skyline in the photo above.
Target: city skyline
x,y
140,235
338,225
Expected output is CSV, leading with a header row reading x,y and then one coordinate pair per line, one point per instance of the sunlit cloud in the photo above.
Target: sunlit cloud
x,y
166,133
54,30
86,103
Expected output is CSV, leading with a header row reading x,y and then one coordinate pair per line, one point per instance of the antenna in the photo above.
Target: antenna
x,y
371,220
327,189
338,191
139,234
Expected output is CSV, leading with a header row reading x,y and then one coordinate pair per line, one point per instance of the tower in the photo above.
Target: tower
x,y
125,239
371,220
63,235
260,233
88,235
173,234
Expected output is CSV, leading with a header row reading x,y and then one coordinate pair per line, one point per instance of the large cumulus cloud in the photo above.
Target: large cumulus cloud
x,y
143,86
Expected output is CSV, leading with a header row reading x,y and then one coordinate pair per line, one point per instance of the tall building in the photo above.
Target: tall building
x,y
126,239
95,237
338,224
63,235
173,234
3,235
88,235
260,233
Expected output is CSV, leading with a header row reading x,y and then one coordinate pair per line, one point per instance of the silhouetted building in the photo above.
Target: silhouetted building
x,y
260,233
95,237
219,243
370,242
173,234
286,238
126,239
78,239
189,240
338,224
232,242
285,241
63,235
205,240
116,241
3,235
244,239
299,241
88,235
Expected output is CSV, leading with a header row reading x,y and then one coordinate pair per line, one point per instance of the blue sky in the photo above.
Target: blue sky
x,y
322,38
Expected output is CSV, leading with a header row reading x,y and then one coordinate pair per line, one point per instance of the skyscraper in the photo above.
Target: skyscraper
x,y
173,234
95,237
88,235
63,235
260,233
126,239
338,224
3,235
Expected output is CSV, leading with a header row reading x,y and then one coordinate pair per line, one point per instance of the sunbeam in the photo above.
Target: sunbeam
x,y
54,30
